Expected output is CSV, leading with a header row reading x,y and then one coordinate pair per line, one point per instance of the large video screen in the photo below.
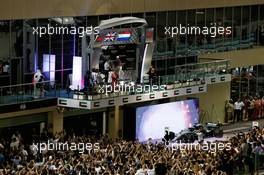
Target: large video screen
x,y
151,121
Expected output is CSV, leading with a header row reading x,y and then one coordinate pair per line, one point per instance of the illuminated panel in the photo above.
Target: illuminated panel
x,y
48,68
77,73
52,69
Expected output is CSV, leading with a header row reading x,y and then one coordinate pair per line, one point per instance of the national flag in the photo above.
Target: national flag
x,y
123,36
110,36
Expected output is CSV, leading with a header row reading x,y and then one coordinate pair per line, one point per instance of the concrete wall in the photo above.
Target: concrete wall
x,y
55,120
115,121
20,9
111,122
212,103
239,58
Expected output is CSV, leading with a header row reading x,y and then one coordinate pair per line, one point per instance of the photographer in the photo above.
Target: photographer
x,y
38,80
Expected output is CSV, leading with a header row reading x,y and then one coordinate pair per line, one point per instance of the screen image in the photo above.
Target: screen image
x,y
151,121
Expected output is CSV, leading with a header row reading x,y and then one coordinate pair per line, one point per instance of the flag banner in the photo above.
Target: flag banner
x,y
116,36
110,36
123,36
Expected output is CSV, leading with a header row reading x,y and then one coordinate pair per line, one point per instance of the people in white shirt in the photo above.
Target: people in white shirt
x,y
121,73
238,106
140,172
109,79
14,144
38,78
151,170
6,69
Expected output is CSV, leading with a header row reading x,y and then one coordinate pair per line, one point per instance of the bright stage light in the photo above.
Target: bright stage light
x,y
48,68
77,73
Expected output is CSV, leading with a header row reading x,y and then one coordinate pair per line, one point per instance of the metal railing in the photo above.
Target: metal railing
x,y
198,70
184,76
26,92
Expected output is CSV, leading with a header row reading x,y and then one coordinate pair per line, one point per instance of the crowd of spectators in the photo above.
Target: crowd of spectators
x,y
117,156
249,108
